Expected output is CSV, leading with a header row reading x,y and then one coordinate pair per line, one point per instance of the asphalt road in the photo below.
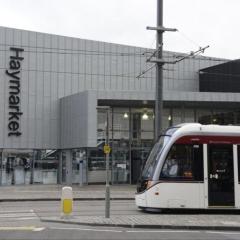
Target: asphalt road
x,y
70,232
20,220
85,208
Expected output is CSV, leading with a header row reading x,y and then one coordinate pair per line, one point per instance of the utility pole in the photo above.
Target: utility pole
x,y
107,150
159,73
159,68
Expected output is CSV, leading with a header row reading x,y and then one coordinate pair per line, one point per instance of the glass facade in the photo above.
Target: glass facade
x,y
46,166
131,136
16,167
131,133
79,166
28,167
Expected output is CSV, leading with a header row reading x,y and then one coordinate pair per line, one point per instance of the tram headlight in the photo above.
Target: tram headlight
x,y
145,185
150,183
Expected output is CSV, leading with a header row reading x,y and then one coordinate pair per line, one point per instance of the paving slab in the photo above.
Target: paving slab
x,y
158,221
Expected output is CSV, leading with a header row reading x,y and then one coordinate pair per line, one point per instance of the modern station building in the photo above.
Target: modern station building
x,y
52,93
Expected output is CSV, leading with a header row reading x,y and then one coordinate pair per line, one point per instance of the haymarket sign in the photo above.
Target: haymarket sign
x,y
14,96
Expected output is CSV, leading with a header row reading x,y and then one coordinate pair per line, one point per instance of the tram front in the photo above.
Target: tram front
x,y
152,166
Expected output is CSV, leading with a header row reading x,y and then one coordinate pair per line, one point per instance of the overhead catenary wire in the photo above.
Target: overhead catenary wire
x,y
124,75
41,50
66,51
188,39
145,71
178,59
192,54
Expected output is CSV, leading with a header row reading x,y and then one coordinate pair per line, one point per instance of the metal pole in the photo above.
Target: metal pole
x,y
1,167
159,73
107,196
81,172
32,167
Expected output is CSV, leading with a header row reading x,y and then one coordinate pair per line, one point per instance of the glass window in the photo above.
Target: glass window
x,y
204,116
184,162
166,118
46,166
102,124
177,117
120,123
153,157
147,124
97,160
239,163
189,115
16,167
237,117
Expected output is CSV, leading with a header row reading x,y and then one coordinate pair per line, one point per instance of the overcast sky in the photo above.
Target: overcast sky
x,y
200,22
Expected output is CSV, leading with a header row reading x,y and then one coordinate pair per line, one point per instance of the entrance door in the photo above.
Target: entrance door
x,y
220,175
16,167
137,163
120,165
79,166
7,170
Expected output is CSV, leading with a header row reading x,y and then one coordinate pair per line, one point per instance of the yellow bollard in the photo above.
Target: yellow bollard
x,y
67,201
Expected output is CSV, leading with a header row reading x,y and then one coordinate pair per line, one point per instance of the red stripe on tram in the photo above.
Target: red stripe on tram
x,y
209,140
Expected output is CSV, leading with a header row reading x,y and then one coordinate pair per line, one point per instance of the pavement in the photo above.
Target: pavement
x,y
53,192
157,221
188,220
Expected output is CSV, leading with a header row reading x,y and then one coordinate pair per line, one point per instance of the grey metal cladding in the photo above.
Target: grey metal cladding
x,y
79,120
55,67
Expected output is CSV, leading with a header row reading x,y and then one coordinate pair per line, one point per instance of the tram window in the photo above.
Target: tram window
x,y
184,162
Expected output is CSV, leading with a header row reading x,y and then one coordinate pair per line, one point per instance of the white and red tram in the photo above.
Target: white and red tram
x,y
192,166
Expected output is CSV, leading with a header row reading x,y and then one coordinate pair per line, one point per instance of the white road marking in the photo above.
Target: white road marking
x,y
13,215
227,233
18,216
26,218
17,211
162,231
25,228
86,229
38,229
121,231
36,191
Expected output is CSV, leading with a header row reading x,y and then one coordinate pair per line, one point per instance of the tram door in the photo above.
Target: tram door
x,y
220,175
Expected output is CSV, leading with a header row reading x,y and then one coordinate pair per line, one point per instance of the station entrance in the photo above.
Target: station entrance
x,y
16,167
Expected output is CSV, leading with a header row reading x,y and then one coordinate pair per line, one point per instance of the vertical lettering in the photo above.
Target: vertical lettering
x,y
14,92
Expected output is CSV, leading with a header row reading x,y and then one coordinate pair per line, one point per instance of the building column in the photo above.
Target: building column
x,y
69,167
182,113
59,178
32,165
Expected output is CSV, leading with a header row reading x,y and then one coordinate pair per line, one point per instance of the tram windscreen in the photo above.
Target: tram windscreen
x,y
153,157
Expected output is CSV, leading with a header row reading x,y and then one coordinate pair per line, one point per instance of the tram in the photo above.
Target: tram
x,y
192,166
